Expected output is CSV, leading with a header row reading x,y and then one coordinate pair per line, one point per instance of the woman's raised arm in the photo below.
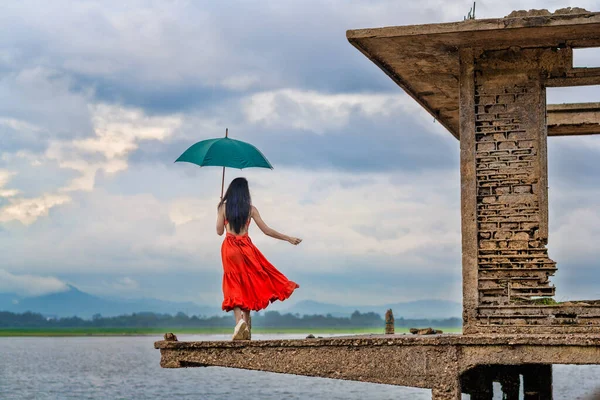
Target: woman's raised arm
x,y
221,219
270,231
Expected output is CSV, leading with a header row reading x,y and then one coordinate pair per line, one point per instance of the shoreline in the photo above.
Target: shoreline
x,y
100,332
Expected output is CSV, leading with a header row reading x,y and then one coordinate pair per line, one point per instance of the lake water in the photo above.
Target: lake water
x,y
128,368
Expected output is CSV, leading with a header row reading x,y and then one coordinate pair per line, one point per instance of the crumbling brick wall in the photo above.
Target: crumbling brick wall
x,y
513,259
510,140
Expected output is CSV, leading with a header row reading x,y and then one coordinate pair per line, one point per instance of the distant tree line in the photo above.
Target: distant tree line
x,y
269,319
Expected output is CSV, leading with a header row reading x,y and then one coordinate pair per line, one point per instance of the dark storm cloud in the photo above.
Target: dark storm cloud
x,y
170,59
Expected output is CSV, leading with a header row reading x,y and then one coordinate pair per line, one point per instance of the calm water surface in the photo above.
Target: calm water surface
x,y
128,368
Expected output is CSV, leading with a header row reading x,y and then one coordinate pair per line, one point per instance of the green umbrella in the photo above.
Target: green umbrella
x,y
224,152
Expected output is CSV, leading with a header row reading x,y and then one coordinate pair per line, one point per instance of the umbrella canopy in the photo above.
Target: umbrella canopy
x,y
225,152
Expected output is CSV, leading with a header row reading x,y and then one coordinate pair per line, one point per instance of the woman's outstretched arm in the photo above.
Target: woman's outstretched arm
x,y
271,232
221,220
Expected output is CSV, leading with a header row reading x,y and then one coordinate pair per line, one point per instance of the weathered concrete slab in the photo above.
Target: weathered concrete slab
x,y
424,59
406,360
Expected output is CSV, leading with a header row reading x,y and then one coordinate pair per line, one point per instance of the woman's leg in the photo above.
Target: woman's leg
x,y
237,313
246,314
241,328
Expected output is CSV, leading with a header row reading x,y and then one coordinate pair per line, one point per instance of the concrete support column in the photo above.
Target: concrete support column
x,y
537,382
511,383
446,392
468,192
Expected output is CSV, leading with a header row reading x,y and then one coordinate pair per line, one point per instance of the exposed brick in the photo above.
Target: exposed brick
x,y
524,152
496,108
488,227
485,117
486,129
518,164
518,136
485,138
487,100
502,190
529,225
528,158
497,165
525,144
486,146
489,200
521,236
507,146
522,189
516,198
488,245
503,235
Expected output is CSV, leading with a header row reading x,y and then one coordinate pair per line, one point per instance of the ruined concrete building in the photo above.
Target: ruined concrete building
x,y
485,81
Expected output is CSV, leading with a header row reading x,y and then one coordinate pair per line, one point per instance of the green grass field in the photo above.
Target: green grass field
x,y
160,331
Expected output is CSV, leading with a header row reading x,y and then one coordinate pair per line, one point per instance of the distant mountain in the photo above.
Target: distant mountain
x,y
430,309
74,302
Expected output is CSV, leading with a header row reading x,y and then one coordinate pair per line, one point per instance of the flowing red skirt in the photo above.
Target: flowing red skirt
x,y
250,281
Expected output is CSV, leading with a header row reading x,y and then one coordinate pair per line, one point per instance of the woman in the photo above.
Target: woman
x,y
250,281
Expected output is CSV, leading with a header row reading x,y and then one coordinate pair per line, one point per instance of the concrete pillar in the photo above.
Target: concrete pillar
x,y
510,383
537,382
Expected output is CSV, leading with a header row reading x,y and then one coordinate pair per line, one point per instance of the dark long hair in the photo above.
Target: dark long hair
x,y
238,204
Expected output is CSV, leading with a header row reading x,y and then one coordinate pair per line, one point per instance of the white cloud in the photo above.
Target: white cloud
x,y
5,177
29,285
320,112
340,216
117,132
315,111
28,210
19,125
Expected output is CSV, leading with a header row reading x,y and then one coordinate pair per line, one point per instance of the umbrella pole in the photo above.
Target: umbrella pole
x,y
223,183
223,179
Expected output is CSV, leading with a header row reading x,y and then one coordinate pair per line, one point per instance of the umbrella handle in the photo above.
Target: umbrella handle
x,y
222,183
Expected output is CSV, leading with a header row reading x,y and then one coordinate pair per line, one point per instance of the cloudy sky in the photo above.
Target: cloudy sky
x,y
98,98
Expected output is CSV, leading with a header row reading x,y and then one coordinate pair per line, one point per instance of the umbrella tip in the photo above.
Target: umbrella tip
x,y
226,132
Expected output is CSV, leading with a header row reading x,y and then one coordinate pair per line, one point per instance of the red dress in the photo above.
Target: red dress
x,y
250,281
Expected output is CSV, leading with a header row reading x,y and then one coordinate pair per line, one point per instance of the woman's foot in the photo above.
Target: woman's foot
x,y
241,331
247,334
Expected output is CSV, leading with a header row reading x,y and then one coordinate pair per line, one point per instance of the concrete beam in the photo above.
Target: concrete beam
x,y
576,77
573,119
434,362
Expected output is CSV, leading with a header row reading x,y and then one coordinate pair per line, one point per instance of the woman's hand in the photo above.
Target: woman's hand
x,y
294,241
